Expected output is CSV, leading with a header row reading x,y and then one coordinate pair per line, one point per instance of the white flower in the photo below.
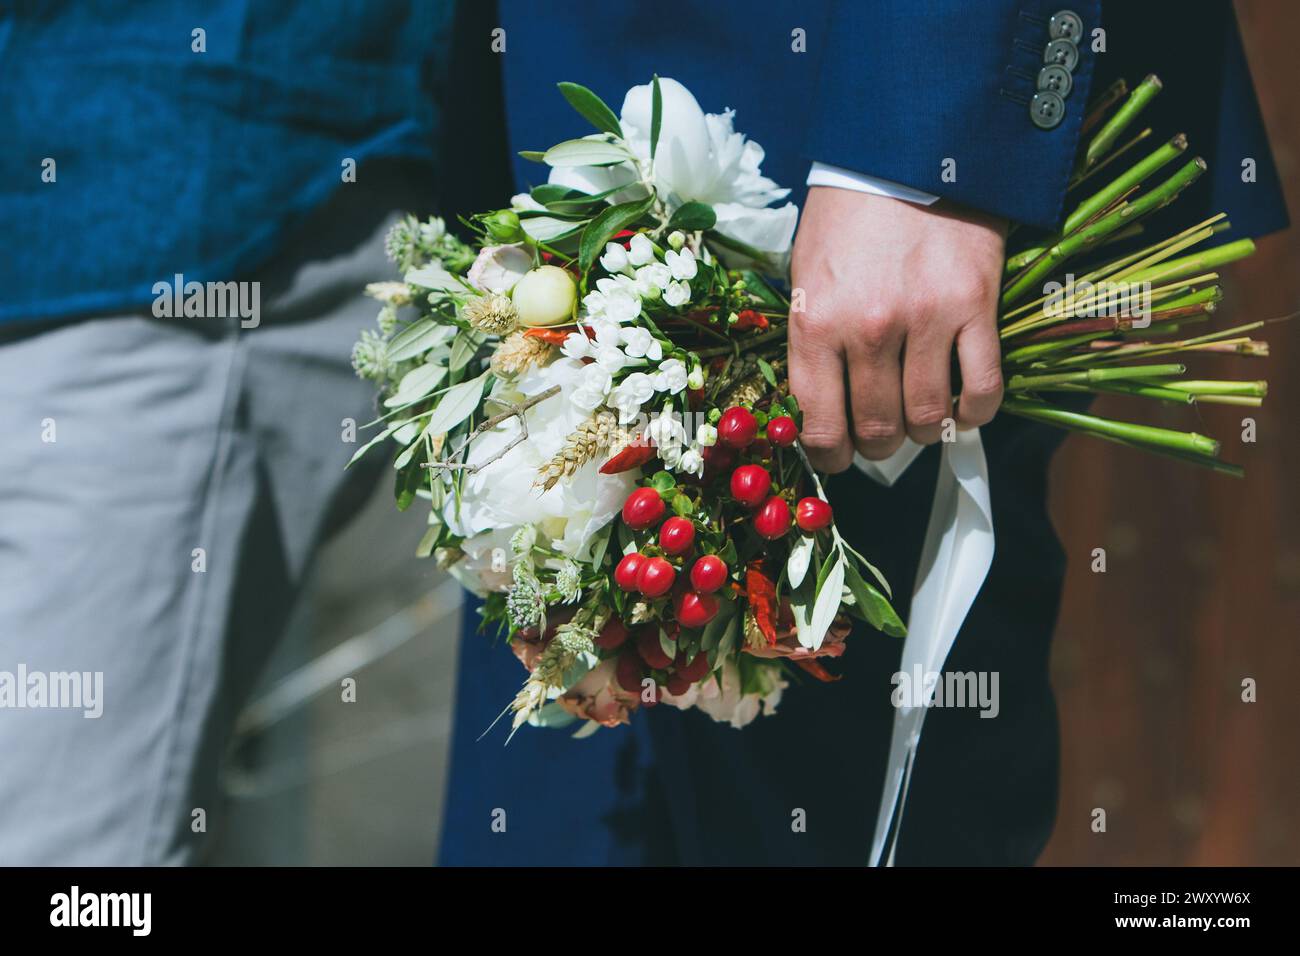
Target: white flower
x,y
498,268
671,455
567,581
614,300
706,436
665,430
522,541
677,294
630,394
615,258
642,251
696,378
681,264
639,343
676,239
593,385
576,346
692,461
671,376
651,280
610,358
721,697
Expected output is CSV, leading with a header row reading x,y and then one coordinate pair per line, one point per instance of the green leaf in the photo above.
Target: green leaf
x,y
877,610
407,483
463,349
371,444
761,289
533,155
768,374
682,505
587,152
692,216
416,384
591,107
714,630
430,538
735,245
416,339
667,644
435,277
656,114
663,482
603,228
727,643
457,404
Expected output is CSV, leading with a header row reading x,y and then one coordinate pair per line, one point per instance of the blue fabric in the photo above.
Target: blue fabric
x,y
169,160
889,88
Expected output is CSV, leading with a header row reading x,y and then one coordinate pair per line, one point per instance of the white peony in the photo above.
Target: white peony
x,y
700,157
500,499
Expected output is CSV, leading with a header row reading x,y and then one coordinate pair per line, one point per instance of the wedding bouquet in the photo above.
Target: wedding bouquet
x,y
592,398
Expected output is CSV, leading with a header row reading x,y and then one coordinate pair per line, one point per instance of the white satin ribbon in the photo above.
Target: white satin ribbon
x,y
955,559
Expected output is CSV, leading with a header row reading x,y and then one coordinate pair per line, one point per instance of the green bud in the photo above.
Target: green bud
x,y
503,226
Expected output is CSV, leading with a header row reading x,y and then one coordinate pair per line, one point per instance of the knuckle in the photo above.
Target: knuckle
x,y
877,430
927,414
986,384
820,439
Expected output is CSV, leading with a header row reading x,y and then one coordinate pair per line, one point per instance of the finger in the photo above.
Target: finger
x,y
979,355
817,381
927,382
875,387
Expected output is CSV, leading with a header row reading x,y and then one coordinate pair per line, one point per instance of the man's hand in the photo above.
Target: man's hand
x,y
889,287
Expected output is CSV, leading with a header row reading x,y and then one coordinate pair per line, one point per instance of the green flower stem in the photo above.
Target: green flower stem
x,y
1094,232
748,345
1020,383
1121,184
1123,118
1199,388
1145,436
1205,260
1151,349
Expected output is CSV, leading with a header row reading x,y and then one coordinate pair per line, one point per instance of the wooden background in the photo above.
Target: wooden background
x,y
1202,587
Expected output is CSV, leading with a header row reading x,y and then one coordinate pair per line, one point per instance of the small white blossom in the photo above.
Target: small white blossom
x,y
671,376
677,294
706,436
610,358
566,581
696,378
692,461
665,430
576,346
639,343
614,300
682,264
676,239
615,258
522,202
630,394
641,251
594,384
522,541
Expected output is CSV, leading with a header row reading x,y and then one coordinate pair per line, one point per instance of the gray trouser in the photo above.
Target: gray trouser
x,y
163,484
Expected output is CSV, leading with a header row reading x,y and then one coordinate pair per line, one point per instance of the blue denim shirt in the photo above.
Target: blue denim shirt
x,y
134,147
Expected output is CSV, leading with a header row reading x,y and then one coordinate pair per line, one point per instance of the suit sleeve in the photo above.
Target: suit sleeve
x,y
935,94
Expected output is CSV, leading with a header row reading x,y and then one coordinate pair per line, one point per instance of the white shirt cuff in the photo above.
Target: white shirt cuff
x,y
823,174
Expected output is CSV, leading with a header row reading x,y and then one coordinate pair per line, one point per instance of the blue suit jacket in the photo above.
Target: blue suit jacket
x,y
890,88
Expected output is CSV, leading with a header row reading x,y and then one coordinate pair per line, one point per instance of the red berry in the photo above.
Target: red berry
x,y
812,514
642,509
695,669
696,610
677,536
737,427
625,572
655,578
773,519
678,685
709,574
612,635
629,671
782,431
647,645
750,485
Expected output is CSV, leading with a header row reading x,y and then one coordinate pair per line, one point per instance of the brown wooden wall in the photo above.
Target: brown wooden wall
x,y
1202,587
